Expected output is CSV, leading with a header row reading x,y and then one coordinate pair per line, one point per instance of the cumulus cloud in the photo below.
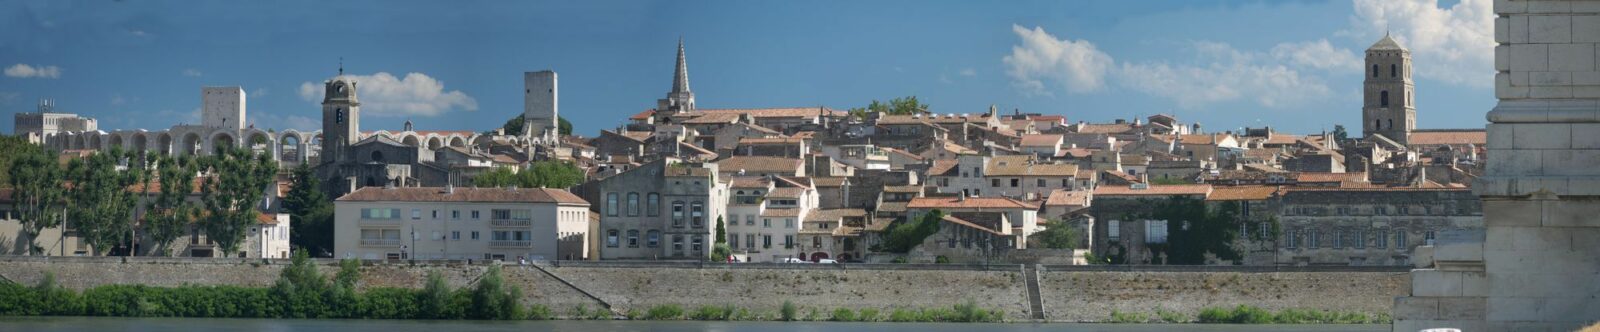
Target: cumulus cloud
x,y
1318,54
1454,45
23,70
383,94
191,72
1041,59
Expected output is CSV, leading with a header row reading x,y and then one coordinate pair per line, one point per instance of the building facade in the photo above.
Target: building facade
x,y
461,223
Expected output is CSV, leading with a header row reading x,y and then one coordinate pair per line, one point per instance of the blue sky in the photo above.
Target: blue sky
x,y
1294,65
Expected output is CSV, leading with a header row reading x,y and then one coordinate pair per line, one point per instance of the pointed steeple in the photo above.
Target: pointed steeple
x,y
680,76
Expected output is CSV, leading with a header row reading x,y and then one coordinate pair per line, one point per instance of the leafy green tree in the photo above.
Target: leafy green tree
x,y
905,235
434,296
142,165
101,206
1339,134
563,125
11,149
899,106
546,174
36,178
492,299
171,213
722,231
236,184
1193,230
301,289
310,211
513,126
1058,235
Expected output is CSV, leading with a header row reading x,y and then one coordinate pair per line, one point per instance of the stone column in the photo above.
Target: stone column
x,y
1540,250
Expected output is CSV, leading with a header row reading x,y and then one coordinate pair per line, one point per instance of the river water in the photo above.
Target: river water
x,y
97,324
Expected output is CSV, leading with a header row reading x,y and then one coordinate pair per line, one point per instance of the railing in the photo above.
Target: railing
x,y
511,244
380,242
511,222
380,220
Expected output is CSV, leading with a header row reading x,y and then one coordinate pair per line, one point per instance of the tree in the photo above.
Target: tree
x,y
143,164
722,231
36,176
564,126
100,203
1193,230
171,212
513,126
899,106
905,235
13,148
545,174
237,181
1058,236
1339,134
310,212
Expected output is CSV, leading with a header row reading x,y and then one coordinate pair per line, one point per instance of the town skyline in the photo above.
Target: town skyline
x,y
961,64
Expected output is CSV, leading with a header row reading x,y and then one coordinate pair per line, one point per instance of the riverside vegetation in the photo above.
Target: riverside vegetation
x,y
302,292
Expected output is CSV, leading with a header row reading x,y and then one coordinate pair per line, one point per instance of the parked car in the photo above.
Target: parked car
x,y
793,260
827,261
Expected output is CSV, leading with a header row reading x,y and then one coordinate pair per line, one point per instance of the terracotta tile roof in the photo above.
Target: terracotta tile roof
x,y
1038,140
967,203
777,112
932,118
829,181
685,170
958,149
1242,193
835,214
694,148
1106,128
1087,174
758,164
1023,165
769,140
1062,197
1165,190
1121,175
786,192
1076,152
902,189
804,135
878,224
902,153
646,114
748,182
1282,139
713,118
1200,139
1452,137
1330,177
892,206
1051,118
463,195
969,224
943,167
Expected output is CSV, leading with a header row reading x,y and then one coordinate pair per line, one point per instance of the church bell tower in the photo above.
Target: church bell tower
x,y
1388,107
341,117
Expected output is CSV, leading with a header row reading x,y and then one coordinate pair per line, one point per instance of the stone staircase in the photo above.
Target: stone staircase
x,y
541,268
1030,274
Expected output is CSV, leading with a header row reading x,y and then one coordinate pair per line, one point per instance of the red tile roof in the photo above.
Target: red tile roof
x,y
1172,189
758,164
1241,193
967,203
1041,140
1453,137
463,195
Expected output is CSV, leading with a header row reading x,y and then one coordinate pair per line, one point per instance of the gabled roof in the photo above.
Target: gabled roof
x,y
968,203
1386,44
1062,197
758,164
1450,137
958,221
1041,140
1023,165
1154,190
1242,193
943,167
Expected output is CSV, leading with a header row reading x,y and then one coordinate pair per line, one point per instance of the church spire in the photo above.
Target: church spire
x,y
680,76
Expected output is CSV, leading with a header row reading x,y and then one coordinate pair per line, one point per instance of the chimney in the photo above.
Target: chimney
x,y
450,188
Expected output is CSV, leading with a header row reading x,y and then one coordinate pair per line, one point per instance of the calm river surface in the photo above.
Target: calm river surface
x,y
320,325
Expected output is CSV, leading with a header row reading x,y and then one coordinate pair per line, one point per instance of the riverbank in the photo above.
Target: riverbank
x,y
97,324
576,290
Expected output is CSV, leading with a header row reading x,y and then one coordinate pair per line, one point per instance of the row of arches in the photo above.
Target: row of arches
x,y
288,146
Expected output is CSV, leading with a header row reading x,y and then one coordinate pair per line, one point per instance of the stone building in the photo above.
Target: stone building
x,y
1388,92
764,215
1368,226
1122,222
461,223
1018,176
665,209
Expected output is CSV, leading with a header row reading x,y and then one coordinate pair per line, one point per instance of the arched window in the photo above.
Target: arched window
x,y
611,204
1374,70
1383,98
1394,70
1377,124
1391,123
633,204
652,205
377,156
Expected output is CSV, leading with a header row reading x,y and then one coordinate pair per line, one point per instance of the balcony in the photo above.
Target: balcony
x,y
510,222
511,244
381,242
381,221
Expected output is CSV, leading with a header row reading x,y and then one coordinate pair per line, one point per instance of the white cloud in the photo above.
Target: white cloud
x,y
258,93
1075,65
969,72
383,94
191,72
23,70
117,100
1454,45
1234,78
1318,54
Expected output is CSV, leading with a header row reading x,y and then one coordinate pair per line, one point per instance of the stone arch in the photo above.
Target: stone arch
x,y
164,143
141,141
458,141
117,141
290,146
93,139
222,139
410,140
191,144
482,141
818,256
435,142
260,141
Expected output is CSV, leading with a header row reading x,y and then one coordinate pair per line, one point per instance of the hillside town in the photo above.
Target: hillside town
x,y
892,182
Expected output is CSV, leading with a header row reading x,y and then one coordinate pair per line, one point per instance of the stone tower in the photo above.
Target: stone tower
x,y
1388,108
341,117
539,106
224,107
680,99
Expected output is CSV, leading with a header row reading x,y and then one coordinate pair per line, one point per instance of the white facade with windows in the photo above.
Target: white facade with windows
x,y
461,223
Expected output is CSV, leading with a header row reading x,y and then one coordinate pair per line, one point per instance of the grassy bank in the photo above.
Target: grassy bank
x,y
302,292
1244,314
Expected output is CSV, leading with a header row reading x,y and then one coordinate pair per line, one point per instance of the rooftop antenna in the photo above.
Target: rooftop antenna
x,y
341,65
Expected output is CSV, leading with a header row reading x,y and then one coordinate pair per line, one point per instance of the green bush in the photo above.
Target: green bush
x,y
941,260
664,312
867,315
903,315
707,312
540,312
843,315
1171,316
1127,317
788,311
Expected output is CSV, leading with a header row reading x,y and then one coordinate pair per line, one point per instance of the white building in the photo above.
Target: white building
x,y
461,223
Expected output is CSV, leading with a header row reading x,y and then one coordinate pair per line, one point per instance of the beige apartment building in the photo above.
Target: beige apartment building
x,y
461,223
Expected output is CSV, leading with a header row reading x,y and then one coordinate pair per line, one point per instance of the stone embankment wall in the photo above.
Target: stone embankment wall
x,y
1070,294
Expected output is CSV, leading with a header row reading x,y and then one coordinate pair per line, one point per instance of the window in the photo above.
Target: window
x,y
416,213
697,214
677,242
733,241
652,205
611,204
1394,70
788,223
766,222
750,220
1360,239
994,182
508,214
1382,240
377,156
1014,182
1262,233
1383,100
633,204
1315,240
633,238
1404,210
475,214
1114,229
653,238
455,214
788,241
611,238
766,241
1380,210
677,214
1427,238
380,213
1292,239
695,242
1338,238
816,242
1374,70
455,235
475,235
435,214
1041,183
1065,183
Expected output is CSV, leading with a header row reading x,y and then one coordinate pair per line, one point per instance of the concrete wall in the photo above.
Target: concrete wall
x,y
1081,294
